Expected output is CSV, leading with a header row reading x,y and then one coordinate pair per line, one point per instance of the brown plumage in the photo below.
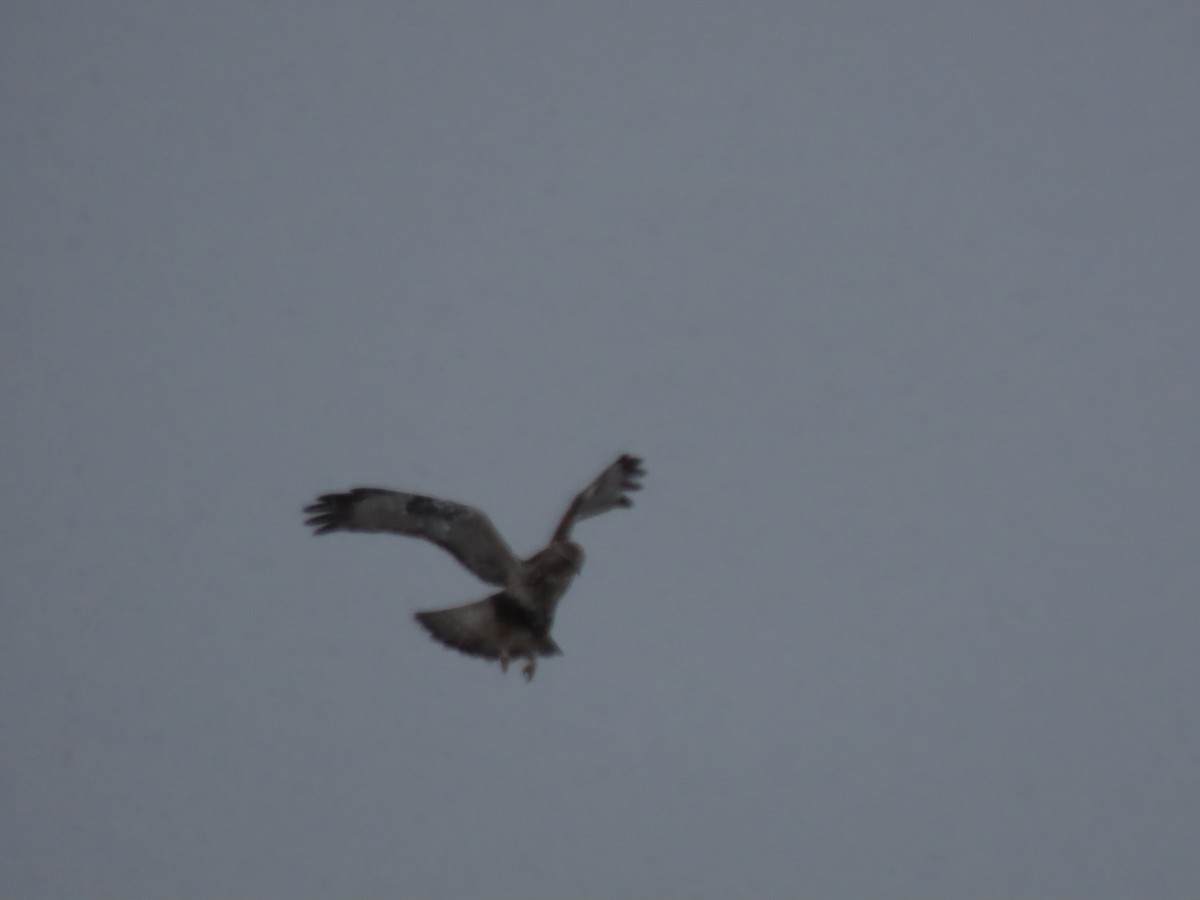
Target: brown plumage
x,y
514,622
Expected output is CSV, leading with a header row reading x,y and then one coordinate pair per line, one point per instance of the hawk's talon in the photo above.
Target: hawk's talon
x,y
530,668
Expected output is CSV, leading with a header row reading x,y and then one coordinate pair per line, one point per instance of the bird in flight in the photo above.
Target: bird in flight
x,y
515,621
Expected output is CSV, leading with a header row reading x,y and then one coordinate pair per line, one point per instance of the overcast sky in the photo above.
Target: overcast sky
x,y
898,302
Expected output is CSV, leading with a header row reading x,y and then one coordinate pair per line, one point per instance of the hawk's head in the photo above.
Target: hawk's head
x,y
561,559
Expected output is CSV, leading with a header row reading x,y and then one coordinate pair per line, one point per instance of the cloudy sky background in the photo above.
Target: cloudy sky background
x,y
898,302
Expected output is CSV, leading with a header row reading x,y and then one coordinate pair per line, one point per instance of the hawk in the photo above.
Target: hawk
x,y
515,621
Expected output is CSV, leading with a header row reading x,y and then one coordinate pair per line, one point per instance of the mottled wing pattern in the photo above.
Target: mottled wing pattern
x,y
463,531
607,492
493,628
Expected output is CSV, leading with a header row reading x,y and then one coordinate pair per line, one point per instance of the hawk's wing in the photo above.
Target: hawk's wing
x,y
462,530
605,493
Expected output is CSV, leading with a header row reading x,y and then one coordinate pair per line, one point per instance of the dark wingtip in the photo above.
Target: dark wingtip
x,y
331,512
631,465
321,514
631,470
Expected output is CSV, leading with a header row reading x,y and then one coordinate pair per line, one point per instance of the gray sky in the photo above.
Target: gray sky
x,y
898,301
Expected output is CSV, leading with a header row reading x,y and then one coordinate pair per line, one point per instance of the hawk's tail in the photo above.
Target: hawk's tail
x,y
476,630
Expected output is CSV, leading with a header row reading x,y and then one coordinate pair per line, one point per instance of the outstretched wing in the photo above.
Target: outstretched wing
x,y
462,530
605,493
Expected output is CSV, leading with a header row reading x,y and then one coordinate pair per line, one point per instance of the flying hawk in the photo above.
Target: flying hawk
x,y
515,621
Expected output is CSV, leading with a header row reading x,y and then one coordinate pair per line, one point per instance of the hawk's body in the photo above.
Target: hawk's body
x,y
515,622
